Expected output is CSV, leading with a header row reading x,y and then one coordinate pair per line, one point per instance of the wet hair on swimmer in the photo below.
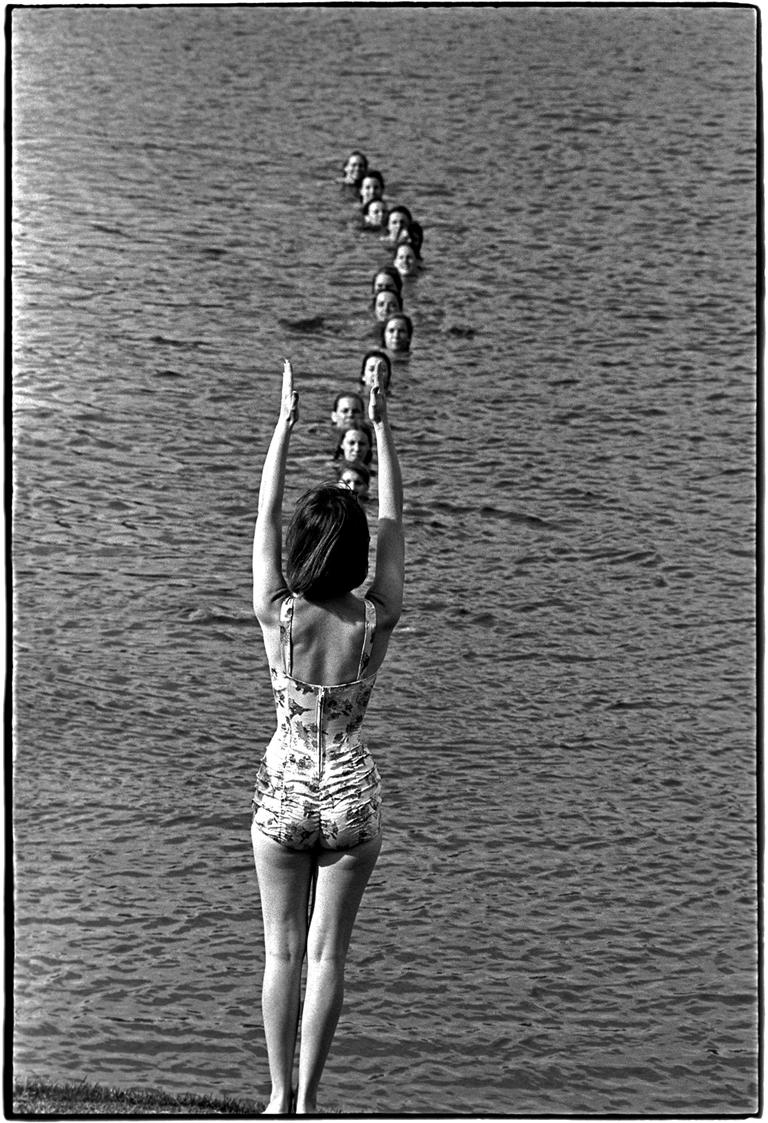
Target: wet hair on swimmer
x,y
399,209
378,202
415,238
363,158
356,466
392,273
367,432
397,316
326,544
390,292
349,394
372,173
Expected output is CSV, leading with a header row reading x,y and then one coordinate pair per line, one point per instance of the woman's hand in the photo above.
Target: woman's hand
x,y
289,404
377,405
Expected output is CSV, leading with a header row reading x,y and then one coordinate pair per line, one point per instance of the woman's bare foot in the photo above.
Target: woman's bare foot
x,y
278,1105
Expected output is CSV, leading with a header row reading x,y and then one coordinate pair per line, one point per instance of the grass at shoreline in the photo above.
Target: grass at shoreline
x,y
33,1096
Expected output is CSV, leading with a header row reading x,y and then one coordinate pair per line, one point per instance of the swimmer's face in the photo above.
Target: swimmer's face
x,y
353,481
374,216
385,304
355,444
405,260
383,281
396,336
370,188
348,412
354,168
397,226
376,370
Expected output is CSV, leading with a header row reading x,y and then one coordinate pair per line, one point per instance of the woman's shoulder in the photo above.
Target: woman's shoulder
x,y
269,610
384,615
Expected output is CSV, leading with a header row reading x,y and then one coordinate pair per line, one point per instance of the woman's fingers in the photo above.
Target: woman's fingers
x,y
290,397
287,378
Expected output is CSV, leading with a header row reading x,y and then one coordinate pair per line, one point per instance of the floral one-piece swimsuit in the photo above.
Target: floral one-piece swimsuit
x,y
317,784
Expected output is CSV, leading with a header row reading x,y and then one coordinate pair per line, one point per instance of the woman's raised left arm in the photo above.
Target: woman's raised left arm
x,y
268,580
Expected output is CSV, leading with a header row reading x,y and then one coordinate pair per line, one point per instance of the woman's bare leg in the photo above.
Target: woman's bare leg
x,y
284,880
341,880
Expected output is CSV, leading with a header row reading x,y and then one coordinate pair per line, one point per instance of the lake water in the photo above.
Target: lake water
x,y
563,919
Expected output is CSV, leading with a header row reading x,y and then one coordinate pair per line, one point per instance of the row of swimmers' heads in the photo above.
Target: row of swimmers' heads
x,y
396,327
354,453
348,406
368,182
397,221
348,416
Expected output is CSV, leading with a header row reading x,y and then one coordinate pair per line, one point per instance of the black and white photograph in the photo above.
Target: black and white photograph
x,y
383,537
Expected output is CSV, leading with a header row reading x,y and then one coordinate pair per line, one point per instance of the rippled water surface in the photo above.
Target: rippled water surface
x,y
563,917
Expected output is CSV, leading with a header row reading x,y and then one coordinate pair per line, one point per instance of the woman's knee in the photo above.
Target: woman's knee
x,y
286,950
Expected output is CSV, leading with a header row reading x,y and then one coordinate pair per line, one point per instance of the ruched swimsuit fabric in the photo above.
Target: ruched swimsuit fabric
x,y
317,784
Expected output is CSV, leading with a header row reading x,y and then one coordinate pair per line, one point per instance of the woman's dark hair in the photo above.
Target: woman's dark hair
x,y
392,292
354,466
366,207
372,173
326,544
363,157
415,238
348,394
363,427
402,210
398,316
376,355
397,280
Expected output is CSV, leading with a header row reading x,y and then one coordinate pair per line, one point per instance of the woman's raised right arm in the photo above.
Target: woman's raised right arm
x,y
268,580
387,588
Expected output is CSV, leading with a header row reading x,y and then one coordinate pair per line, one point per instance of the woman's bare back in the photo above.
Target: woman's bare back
x,y
327,640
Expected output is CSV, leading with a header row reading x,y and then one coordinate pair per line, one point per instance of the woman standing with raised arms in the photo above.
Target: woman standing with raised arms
x,y
317,806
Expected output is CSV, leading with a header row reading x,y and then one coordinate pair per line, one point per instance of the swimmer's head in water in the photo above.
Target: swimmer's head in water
x,y
326,544
376,367
355,167
371,186
356,478
398,222
375,213
397,333
348,409
405,260
385,304
356,444
387,278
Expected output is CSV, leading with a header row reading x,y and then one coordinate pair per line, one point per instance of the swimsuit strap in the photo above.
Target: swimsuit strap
x,y
286,634
370,624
